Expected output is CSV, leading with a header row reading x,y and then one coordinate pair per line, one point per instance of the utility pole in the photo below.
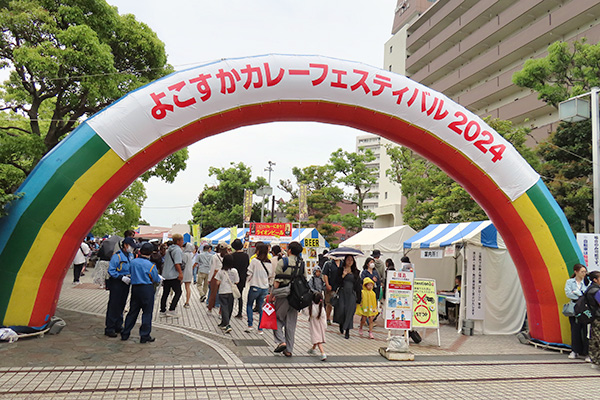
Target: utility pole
x,y
270,169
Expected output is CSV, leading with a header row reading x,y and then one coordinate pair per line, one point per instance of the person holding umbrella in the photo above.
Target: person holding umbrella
x,y
349,295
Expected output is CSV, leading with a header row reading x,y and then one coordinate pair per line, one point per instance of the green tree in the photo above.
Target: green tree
x,y
221,205
435,198
568,172
567,70
352,170
123,213
323,196
68,59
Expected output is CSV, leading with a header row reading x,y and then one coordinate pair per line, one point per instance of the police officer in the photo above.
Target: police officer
x,y
143,274
118,285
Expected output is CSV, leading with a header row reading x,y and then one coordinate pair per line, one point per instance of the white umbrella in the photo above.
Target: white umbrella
x,y
345,251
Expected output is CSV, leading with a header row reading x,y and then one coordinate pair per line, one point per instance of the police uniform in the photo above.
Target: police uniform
x,y
143,274
118,268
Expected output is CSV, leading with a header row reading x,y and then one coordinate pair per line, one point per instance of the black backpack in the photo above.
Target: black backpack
x,y
584,314
300,294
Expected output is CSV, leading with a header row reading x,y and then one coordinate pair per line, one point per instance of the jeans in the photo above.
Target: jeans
x,y
255,294
169,284
77,271
226,301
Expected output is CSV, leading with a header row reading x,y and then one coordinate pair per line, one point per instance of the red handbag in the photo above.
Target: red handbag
x,y
268,320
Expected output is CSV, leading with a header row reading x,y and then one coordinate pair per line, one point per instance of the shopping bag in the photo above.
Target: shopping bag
x,y
268,320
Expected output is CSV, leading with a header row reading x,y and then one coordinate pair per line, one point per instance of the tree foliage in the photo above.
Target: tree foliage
x,y
68,59
432,196
123,213
353,171
567,70
221,205
323,196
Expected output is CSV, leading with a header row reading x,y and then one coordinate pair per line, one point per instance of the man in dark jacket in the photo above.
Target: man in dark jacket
x,y
593,300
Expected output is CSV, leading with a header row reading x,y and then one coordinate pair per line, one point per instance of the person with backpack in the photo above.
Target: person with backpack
x,y
575,287
173,274
592,296
287,268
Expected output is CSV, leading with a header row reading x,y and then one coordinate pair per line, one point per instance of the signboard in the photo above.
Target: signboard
x,y
196,234
165,237
399,297
425,304
589,243
475,296
432,253
247,205
311,242
260,231
302,203
450,251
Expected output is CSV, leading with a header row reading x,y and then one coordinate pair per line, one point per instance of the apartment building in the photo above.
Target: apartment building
x,y
469,50
386,197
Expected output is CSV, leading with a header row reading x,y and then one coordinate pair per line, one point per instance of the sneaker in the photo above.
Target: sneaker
x,y
75,283
202,299
249,329
360,331
371,335
311,351
147,339
186,306
260,332
162,314
228,329
239,316
172,313
573,355
588,359
323,357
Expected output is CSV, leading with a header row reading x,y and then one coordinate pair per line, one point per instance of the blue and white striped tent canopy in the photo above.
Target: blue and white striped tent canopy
x,y
481,233
298,234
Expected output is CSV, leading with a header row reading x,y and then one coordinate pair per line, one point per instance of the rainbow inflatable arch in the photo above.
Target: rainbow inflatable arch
x,y
75,182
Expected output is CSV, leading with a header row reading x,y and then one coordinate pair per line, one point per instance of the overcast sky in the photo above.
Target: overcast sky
x,y
195,32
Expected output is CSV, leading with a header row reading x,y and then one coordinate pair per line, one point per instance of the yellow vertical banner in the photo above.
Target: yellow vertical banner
x,y
247,205
425,304
303,203
233,233
196,234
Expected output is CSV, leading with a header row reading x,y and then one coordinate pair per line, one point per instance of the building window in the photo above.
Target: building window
x,y
391,49
390,68
386,195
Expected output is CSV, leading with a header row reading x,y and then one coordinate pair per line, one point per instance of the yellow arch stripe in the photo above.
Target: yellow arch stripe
x,y
557,269
34,267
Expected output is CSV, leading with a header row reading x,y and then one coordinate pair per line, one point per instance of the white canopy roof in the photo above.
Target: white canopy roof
x,y
387,240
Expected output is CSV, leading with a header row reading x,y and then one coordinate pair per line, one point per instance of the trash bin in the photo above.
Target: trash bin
x,y
467,327
56,325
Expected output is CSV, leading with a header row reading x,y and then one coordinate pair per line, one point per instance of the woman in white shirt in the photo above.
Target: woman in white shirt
x,y
574,288
259,272
226,278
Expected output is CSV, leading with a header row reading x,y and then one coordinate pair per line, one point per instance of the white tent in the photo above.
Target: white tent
x,y
503,301
387,240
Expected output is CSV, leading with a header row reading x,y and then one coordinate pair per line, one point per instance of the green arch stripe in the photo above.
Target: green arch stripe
x,y
40,208
557,223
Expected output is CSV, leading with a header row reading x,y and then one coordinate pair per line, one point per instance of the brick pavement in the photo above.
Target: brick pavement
x,y
207,364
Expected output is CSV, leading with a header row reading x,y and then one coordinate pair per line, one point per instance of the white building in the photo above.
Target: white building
x,y
386,200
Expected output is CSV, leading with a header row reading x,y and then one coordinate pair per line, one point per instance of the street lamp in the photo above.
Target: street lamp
x,y
578,109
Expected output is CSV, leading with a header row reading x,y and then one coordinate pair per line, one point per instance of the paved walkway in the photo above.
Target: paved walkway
x,y
193,359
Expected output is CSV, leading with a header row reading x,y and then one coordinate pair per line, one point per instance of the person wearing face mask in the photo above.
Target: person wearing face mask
x,y
118,286
370,271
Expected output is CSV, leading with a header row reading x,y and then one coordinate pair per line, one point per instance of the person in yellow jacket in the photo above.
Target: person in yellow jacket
x,y
367,309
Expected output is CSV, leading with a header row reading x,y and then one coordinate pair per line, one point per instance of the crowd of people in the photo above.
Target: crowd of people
x,y
338,290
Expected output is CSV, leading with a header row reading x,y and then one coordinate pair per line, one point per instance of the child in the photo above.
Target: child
x,y
226,278
316,283
367,308
317,324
